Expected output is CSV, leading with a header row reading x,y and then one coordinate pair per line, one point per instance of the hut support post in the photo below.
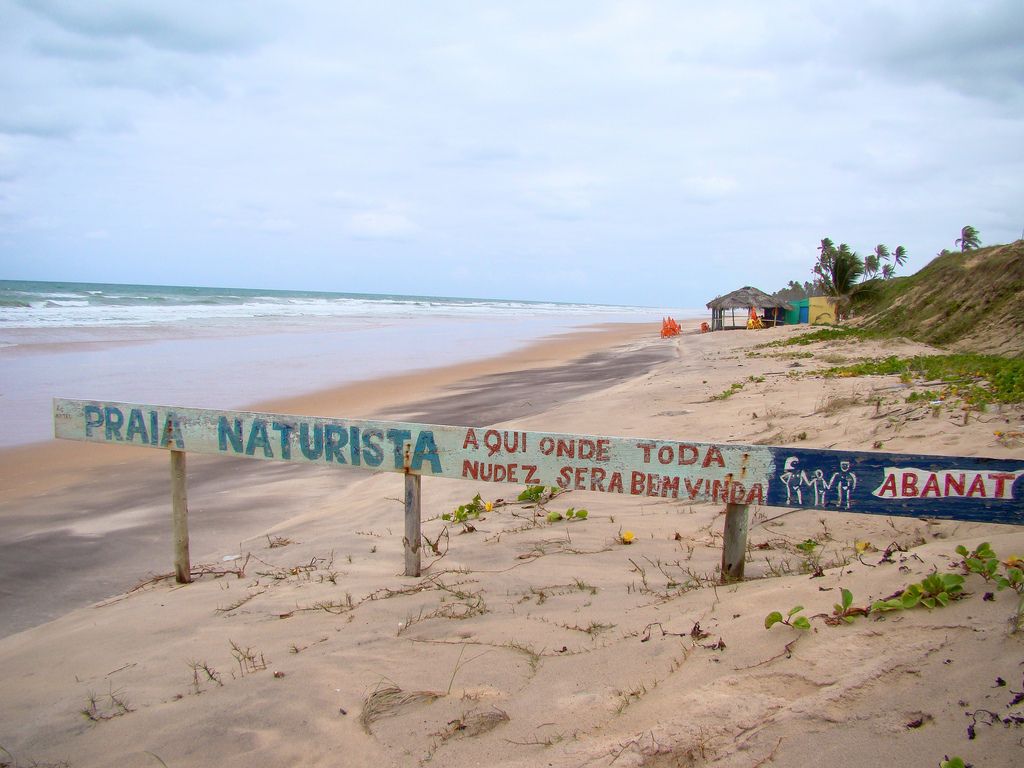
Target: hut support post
x,y
734,547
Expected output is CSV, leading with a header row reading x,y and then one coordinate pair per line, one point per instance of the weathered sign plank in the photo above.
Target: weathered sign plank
x,y
963,488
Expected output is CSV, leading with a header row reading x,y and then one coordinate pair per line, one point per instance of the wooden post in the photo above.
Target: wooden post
x,y
413,537
179,514
734,547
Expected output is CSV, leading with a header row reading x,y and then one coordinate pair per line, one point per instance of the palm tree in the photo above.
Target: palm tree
x,y
899,256
969,239
838,273
881,253
871,265
888,271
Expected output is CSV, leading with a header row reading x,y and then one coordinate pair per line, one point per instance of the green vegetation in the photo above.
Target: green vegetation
x,y
969,239
960,295
726,394
838,273
537,494
977,379
968,296
822,334
790,619
466,512
935,590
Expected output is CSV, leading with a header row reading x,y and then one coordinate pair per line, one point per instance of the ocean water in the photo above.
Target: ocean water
x,y
26,304
228,347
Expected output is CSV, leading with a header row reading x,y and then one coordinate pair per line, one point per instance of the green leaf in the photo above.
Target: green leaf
x,y
961,550
943,598
847,598
910,599
772,618
581,514
532,493
446,516
554,517
951,580
928,602
801,622
570,513
794,609
883,606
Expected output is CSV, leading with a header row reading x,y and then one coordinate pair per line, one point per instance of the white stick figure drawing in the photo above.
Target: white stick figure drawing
x,y
820,486
845,482
790,477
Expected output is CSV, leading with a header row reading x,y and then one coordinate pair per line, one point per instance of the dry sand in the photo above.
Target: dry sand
x,y
525,643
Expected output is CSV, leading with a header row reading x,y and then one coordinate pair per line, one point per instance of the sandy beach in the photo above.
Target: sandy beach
x,y
523,643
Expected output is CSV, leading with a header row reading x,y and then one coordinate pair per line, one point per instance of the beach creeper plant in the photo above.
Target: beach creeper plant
x,y
791,619
539,495
934,591
466,512
570,514
845,611
982,560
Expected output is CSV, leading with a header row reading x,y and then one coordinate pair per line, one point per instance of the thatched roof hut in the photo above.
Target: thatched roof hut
x,y
746,298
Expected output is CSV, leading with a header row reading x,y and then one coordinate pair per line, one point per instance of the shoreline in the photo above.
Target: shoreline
x,y
381,397
259,365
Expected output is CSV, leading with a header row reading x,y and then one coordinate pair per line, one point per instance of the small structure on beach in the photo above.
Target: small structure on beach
x,y
816,310
750,300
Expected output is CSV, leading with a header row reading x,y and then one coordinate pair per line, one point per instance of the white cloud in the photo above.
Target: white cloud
x,y
708,189
381,223
566,191
597,139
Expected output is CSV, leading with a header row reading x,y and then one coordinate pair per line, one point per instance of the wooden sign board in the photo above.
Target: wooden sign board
x,y
961,488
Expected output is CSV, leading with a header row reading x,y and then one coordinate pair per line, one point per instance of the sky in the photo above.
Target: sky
x,y
640,153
